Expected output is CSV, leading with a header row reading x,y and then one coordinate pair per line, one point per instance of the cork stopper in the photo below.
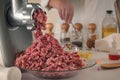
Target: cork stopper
x,y
78,26
65,27
92,27
49,28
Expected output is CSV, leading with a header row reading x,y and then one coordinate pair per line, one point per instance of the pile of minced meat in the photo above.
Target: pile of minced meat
x,y
45,52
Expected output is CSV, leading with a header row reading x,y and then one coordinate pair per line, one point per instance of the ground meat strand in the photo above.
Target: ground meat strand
x,y
40,21
45,52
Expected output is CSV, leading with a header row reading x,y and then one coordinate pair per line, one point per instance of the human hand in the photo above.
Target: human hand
x,y
65,9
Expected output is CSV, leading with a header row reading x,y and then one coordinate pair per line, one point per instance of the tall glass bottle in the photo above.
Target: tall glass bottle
x,y
109,24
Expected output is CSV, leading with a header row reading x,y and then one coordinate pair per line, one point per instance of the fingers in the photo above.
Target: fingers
x,y
63,13
60,13
70,15
66,12
62,10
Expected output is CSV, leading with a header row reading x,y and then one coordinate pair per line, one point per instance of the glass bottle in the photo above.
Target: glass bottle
x,y
109,24
64,35
114,51
92,35
77,40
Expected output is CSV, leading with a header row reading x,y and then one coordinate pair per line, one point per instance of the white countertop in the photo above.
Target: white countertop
x,y
93,73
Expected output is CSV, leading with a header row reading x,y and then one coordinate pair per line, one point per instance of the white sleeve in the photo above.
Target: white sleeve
x,y
44,3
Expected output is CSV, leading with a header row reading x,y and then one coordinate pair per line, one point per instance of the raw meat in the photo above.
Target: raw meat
x,y
45,52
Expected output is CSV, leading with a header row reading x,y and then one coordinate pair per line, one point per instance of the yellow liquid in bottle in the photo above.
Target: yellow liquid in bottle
x,y
106,31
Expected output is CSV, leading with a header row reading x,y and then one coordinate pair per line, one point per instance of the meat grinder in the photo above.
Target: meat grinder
x,y
15,28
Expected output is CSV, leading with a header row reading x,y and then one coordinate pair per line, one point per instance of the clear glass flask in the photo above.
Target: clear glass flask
x,y
109,24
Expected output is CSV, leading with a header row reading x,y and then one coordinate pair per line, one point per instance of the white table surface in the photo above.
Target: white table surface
x,y
92,73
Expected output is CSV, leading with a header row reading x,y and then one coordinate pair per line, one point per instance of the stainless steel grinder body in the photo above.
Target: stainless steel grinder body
x,y
15,16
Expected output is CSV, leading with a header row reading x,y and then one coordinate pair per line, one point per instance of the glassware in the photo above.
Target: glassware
x,y
60,74
77,40
114,52
109,24
92,35
65,35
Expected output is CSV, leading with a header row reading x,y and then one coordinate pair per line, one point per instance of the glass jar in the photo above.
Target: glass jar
x,y
92,35
77,40
65,35
109,24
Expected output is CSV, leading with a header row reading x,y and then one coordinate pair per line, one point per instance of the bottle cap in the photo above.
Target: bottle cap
x,y
65,27
92,27
49,26
78,26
